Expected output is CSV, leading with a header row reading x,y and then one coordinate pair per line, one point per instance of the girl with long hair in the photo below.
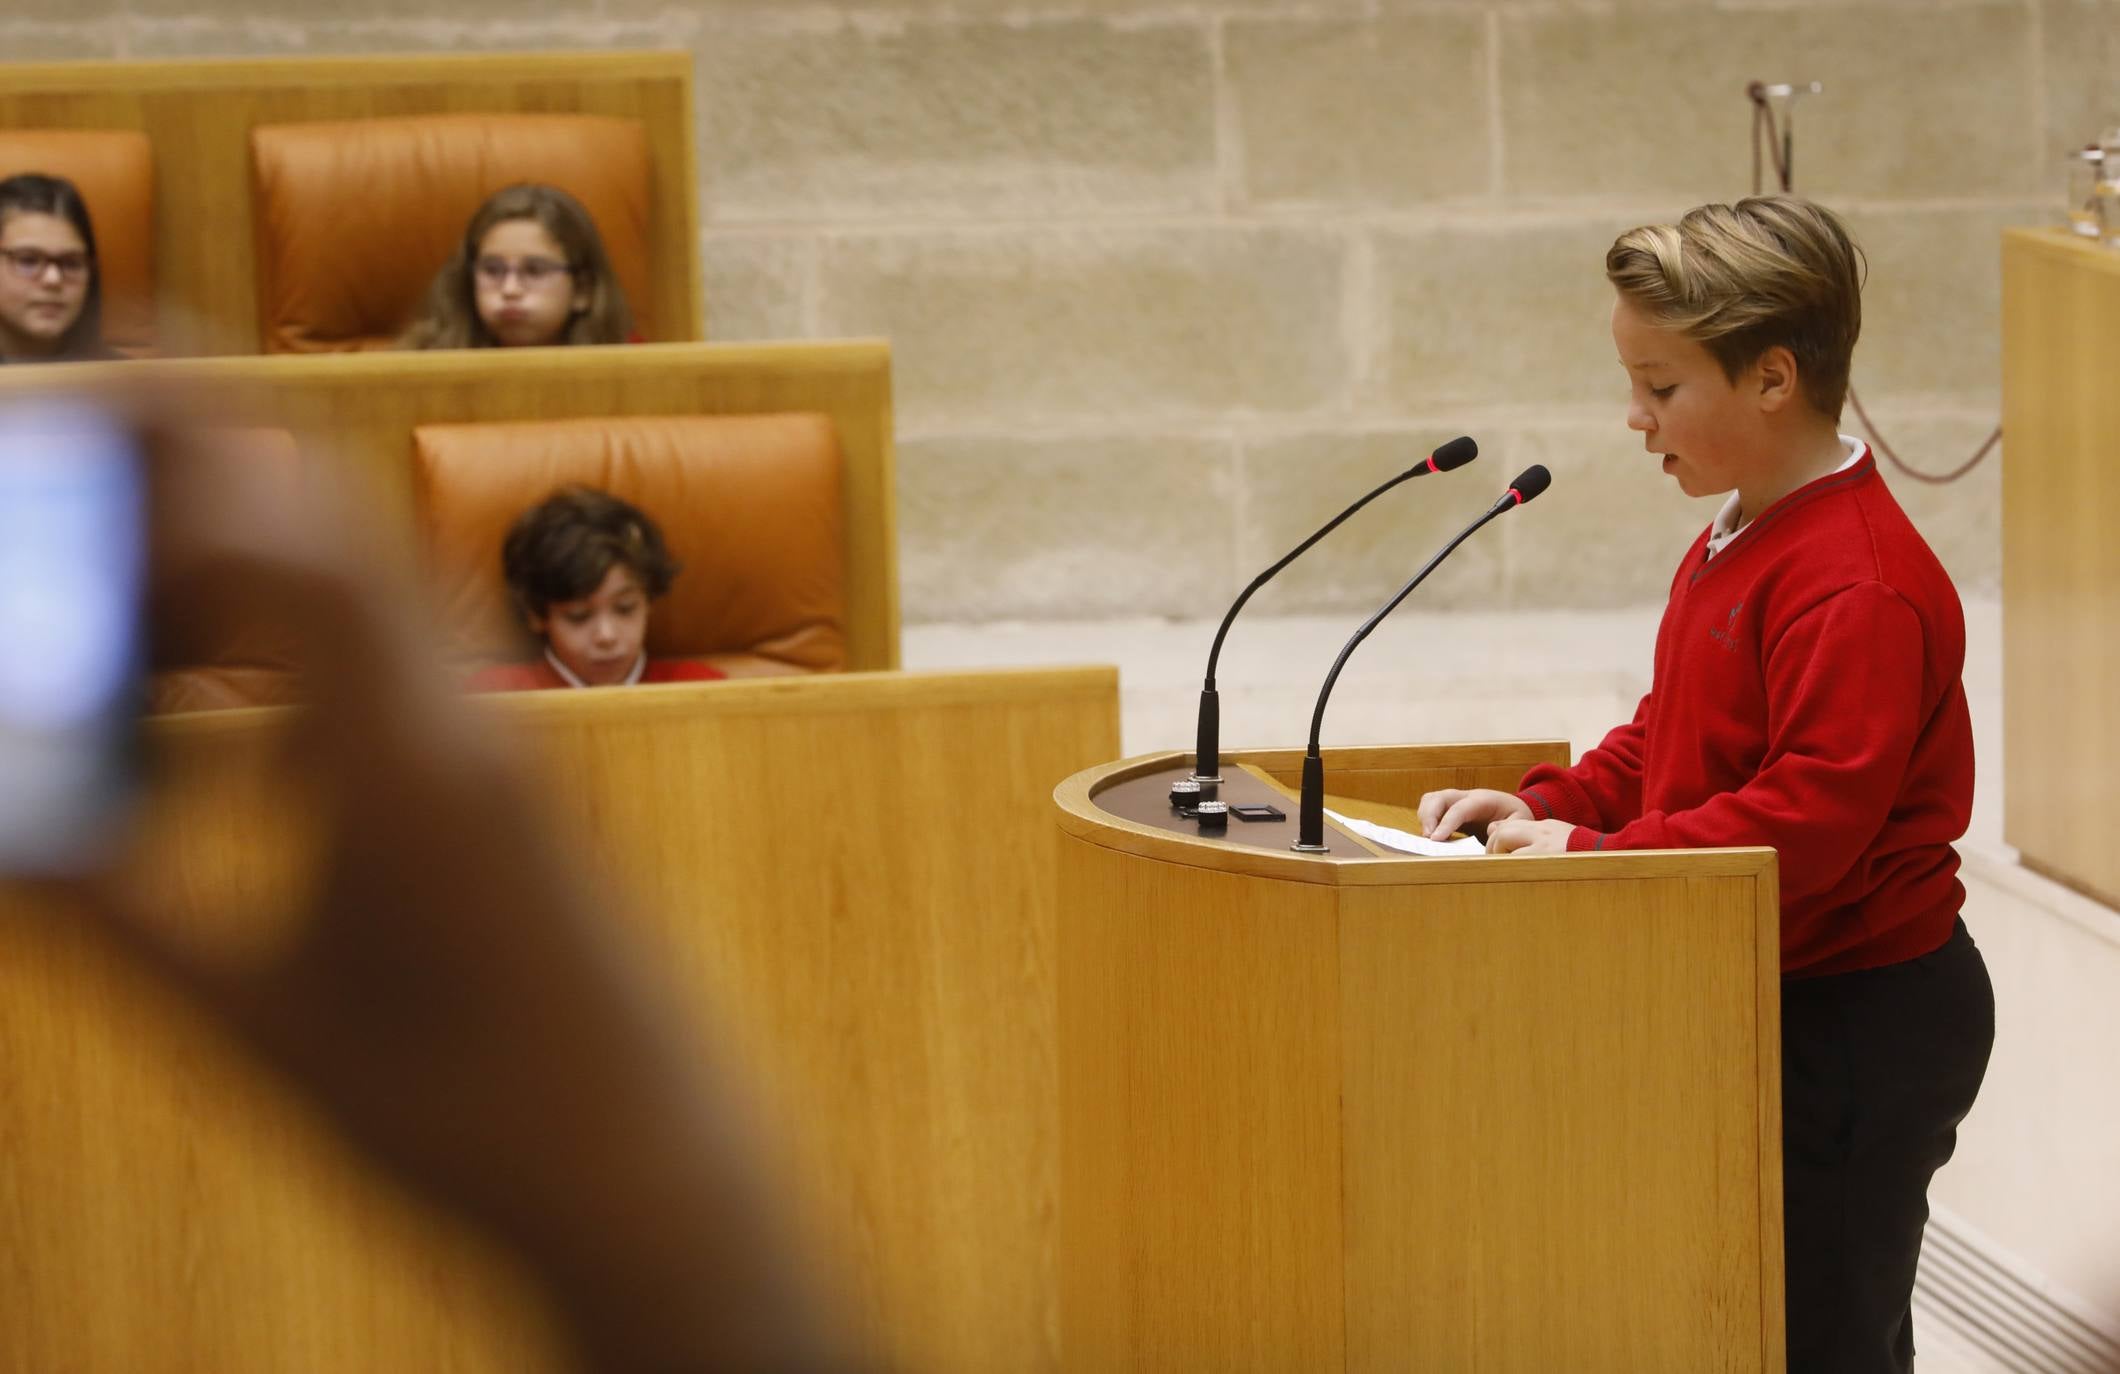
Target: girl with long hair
x,y
530,271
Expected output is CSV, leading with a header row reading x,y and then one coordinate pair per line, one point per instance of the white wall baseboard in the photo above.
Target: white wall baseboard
x,y
1986,1299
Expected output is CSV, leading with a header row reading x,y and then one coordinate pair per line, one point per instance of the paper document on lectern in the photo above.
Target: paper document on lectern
x,y
1405,841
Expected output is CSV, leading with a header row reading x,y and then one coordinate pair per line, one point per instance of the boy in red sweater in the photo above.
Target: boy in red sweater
x,y
1806,696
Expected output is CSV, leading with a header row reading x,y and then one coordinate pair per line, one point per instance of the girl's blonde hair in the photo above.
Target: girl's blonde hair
x,y
450,319
1740,279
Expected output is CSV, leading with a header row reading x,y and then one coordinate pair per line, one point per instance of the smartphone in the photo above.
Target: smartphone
x,y
73,557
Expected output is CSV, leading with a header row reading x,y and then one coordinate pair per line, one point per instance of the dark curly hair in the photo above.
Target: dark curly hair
x,y
562,548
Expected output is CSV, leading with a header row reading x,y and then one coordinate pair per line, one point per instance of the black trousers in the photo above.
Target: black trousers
x,y
1877,1070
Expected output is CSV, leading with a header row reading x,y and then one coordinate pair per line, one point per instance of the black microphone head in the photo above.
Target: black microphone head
x,y
1455,454
1530,482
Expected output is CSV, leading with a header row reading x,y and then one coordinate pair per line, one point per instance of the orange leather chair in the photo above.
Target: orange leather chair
x,y
196,665
355,217
114,169
749,503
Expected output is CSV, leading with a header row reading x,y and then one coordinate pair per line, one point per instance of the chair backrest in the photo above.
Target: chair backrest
x,y
355,217
751,504
198,665
198,114
114,170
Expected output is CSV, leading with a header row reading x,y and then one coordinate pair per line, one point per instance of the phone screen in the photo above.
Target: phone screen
x,y
72,561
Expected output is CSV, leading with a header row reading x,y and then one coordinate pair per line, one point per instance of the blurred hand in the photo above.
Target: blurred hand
x,y
1443,814
455,994
1529,837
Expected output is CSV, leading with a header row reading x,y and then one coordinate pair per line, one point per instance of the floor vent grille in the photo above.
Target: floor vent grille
x,y
1988,1301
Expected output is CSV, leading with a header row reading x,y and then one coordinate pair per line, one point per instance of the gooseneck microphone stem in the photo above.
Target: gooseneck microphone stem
x,y
1310,808
1214,654
1317,716
1207,751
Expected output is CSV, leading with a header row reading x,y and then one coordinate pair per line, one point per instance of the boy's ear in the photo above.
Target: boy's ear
x,y
1775,373
535,623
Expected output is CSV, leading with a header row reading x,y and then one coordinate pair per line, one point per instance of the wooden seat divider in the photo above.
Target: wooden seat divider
x,y
361,409
848,880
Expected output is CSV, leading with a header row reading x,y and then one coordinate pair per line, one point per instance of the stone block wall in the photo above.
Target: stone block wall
x,y
1169,280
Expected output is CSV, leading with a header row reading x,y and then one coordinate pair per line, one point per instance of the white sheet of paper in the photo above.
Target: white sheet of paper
x,y
1406,841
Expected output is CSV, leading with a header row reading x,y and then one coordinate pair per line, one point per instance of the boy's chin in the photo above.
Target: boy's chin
x,y
1689,484
599,675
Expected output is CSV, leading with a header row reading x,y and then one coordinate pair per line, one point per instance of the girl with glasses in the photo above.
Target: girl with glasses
x,y
530,271
51,296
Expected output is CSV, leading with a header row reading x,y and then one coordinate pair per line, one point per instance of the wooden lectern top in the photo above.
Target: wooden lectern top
x,y
1113,805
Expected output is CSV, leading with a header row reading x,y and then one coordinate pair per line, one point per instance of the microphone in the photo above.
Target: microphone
x,y
1207,754
1310,810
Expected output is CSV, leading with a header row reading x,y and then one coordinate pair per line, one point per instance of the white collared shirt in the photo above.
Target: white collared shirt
x,y
1726,527
640,665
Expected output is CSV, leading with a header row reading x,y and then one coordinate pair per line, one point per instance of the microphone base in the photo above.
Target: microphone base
x,y
1302,848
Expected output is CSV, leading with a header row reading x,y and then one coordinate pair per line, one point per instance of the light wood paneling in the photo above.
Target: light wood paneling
x,y
1510,1114
199,115
1551,1127
2060,563
852,880
1199,1086
169,1207
362,409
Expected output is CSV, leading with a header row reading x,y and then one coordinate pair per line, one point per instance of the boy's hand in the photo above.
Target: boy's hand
x,y
1443,814
1529,837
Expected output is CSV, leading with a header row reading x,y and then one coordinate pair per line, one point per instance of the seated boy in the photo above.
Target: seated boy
x,y
582,567
1806,695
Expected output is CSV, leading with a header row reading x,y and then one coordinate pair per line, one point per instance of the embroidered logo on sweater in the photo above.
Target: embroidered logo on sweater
x,y
1725,634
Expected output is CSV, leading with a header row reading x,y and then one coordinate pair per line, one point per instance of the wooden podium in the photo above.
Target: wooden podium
x,y
2060,619
1371,1112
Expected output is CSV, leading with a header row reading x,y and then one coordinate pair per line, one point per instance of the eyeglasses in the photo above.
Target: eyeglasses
x,y
531,272
32,263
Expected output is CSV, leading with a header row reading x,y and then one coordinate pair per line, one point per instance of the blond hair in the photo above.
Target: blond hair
x,y
1741,279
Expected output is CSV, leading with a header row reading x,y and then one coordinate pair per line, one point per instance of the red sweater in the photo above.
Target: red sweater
x,y
1806,697
540,675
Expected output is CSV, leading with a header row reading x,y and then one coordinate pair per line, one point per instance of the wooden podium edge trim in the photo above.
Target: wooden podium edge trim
x,y
159,75
2059,245
855,358
797,693
1081,817
1773,1334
